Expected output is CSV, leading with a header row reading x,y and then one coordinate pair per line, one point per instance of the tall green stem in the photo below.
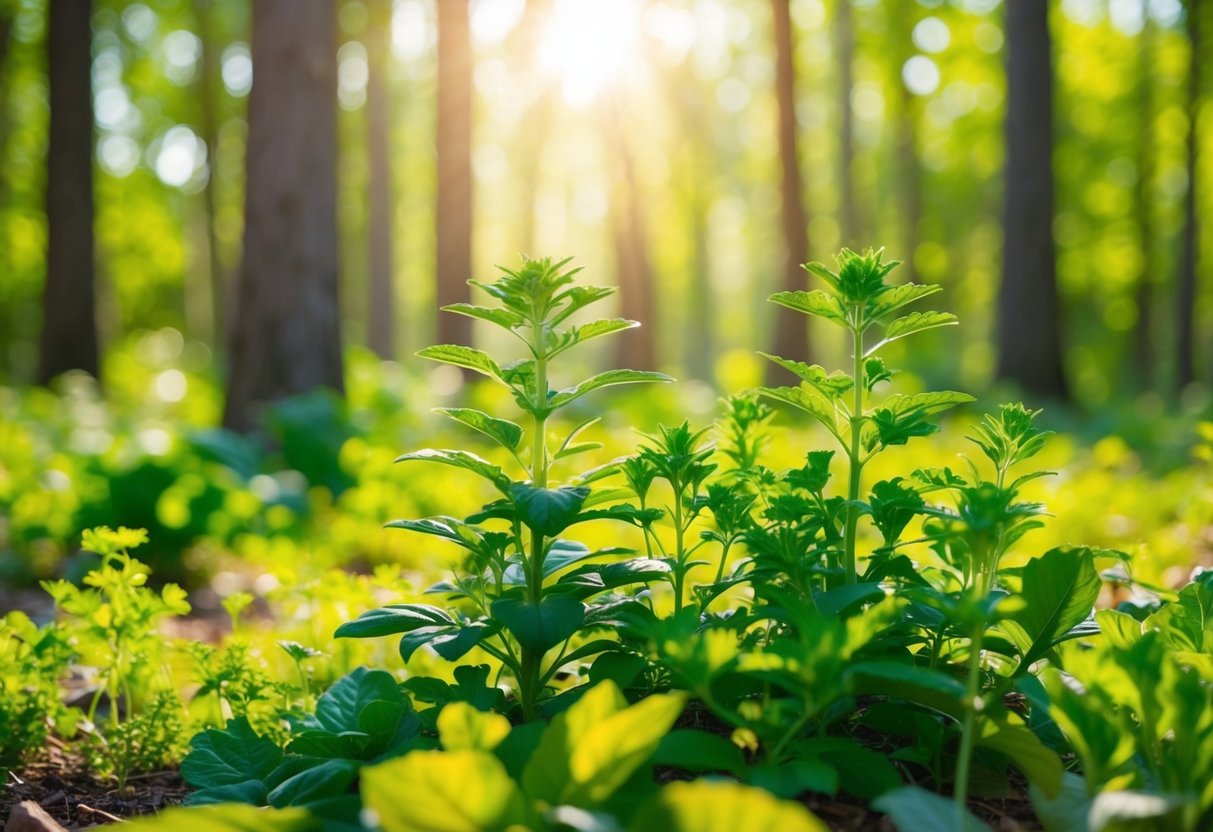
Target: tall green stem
x,y
856,462
963,762
531,661
679,549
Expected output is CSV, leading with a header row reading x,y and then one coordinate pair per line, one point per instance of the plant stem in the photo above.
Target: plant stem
x,y
679,551
856,462
531,660
961,794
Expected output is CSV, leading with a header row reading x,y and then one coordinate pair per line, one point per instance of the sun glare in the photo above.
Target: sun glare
x,y
590,45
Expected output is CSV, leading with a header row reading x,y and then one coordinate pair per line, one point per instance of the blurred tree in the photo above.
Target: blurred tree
x,y
527,40
791,332
844,45
381,295
902,19
454,218
633,269
69,323
1143,331
1185,288
1029,325
285,338
208,82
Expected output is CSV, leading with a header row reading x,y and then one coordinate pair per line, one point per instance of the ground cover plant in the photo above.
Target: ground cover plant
x,y
685,632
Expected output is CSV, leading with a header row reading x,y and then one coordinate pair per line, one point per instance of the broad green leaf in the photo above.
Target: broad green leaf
x,y
393,619
809,401
920,685
462,727
1007,734
899,296
910,324
444,791
596,329
462,459
816,303
452,642
1119,628
229,817
230,756
717,806
597,577
448,528
914,810
547,511
542,626
328,779
591,749
339,707
460,356
698,752
607,379
501,431
1059,590
503,318
578,297
252,792
833,602
830,385
931,403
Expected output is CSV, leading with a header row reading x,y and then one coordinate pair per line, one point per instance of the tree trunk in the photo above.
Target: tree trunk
x,y
1185,294
1143,333
454,221
844,43
381,295
1029,318
791,329
909,170
286,336
69,325
635,350
208,75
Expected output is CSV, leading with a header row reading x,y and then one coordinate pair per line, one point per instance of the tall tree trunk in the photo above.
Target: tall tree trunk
x,y
381,295
9,321
529,40
208,75
1029,317
909,170
69,324
844,44
637,350
1185,294
454,231
1143,333
791,330
286,335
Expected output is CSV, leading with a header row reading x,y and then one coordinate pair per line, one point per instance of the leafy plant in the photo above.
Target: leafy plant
x,y
516,606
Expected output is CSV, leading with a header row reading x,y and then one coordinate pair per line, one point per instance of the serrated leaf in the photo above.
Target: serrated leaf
x,y
606,379
809,401
899,296
831,385
595,329
462,459
503,318
501,431
466,357
910,324
815,302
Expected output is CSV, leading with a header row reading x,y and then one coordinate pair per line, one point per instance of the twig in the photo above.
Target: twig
x,y
84,807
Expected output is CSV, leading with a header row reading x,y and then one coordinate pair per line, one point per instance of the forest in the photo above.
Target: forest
x,y
882,499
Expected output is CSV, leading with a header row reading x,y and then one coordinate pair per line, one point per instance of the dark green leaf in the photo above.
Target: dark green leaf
x,y
539,627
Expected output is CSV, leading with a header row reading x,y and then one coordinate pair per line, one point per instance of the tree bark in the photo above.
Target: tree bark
x,y
208,75
381,295
69,325
844,43
1185,289
791,328
1029,317
454,220
286,335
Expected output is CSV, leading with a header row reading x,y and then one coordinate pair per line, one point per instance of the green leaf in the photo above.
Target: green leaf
x,y
833,602
393,619
1059,590
450,642
329,779
230,756
698,752
913,809
462,459
448,528
444,791
831,385
547,511
501,431
542,626
461,727
920,685
909,325
228,818
466,357
596,329
1068,811
816,303
809,401
716,806
899,296
1008,735
503,318
607,379
592,749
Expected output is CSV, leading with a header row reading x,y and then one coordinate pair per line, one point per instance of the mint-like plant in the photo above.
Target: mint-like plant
x,y
512,602
860,299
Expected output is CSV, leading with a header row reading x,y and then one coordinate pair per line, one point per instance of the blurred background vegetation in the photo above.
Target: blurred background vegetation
x,y
217,206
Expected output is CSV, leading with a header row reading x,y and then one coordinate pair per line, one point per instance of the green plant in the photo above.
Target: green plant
x,y
517,610
32,660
